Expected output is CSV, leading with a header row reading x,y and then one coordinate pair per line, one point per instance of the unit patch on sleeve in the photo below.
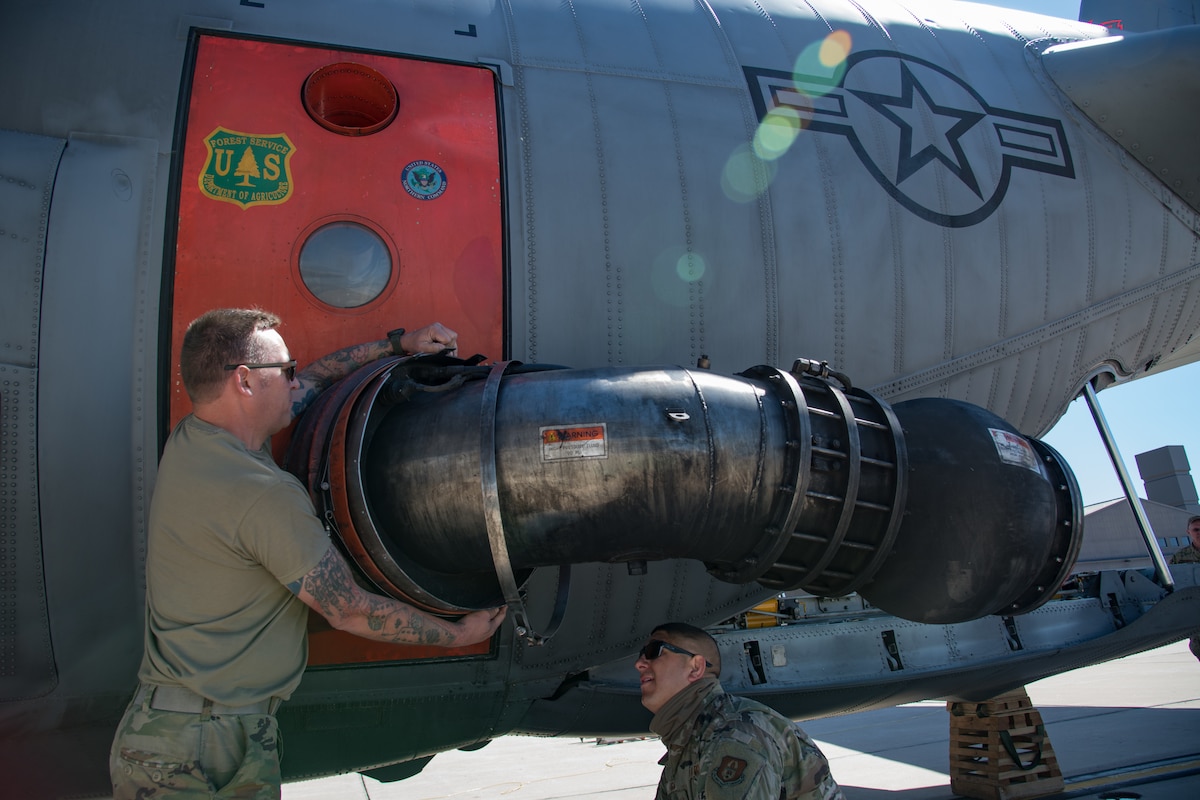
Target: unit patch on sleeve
x,y
246,168
729,771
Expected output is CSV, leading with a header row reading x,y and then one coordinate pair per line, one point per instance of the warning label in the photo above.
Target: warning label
x,y
575,441
1014,449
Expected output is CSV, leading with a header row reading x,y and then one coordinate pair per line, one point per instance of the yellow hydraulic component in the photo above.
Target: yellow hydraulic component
x,y
764,615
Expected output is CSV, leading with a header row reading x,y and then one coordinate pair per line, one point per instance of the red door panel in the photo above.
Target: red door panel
x,y
261,175
241,246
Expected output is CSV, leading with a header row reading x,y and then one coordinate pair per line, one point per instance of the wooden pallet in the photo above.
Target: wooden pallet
x,y
999,750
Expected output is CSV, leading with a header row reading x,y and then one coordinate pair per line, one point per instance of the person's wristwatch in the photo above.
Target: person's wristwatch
x,y
394,339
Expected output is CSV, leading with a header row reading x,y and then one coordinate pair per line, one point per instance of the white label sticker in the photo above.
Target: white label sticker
x,y
1014,449
778,655
575,441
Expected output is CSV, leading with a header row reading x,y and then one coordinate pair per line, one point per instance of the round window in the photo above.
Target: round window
x,y
345,264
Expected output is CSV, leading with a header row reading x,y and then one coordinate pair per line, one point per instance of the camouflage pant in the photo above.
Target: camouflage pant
x,y
158,754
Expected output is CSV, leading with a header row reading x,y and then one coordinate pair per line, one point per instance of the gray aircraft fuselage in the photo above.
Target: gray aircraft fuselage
x,y
946,201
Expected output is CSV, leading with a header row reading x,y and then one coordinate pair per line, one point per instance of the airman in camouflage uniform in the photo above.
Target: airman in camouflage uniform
x,y
718,745
1190,554
235,558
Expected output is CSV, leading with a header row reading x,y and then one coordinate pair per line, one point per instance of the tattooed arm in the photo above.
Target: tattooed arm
x,y
330,590
324,372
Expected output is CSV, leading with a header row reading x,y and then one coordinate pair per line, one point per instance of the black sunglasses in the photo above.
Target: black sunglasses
x,y
288,367
654,648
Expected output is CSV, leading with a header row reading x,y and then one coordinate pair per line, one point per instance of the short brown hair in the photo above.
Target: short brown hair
x,y
216,338
698,640
1193,519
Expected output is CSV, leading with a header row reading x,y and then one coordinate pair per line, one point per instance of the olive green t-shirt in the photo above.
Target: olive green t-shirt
x,y
228,530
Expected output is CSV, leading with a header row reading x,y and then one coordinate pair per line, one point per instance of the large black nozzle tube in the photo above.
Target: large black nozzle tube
x,y
788,480
992,522
607,465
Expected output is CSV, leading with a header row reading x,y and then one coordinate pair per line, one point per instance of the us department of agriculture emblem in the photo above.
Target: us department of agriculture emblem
x,y
424,180
247,169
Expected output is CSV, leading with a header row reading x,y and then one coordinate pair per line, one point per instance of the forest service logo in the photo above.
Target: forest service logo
x,y
247,169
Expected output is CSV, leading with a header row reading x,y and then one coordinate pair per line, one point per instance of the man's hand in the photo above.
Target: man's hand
x,y
325,371
330,590
480,625
432,338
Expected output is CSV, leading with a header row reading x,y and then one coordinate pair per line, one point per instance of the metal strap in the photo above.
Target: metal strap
x,y
495,521
1039,736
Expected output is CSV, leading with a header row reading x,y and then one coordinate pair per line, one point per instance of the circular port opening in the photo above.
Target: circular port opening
x,y
345,264
350,99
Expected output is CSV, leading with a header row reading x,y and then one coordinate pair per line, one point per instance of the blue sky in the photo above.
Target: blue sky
x,y
1054,8
1144,414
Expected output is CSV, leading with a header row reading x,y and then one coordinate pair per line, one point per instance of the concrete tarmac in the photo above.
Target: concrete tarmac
x,y
1123,730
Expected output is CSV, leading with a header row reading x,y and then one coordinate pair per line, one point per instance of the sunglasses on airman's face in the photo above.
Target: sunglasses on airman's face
x,y
288,367
654,648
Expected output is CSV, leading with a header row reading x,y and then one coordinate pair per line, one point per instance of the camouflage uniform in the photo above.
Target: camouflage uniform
x,y
1188,554
738,748
204,755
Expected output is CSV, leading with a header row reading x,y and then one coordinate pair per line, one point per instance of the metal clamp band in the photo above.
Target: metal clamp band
x,y
495,521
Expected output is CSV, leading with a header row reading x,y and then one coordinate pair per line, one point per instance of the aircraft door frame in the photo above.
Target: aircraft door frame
x,y
394,160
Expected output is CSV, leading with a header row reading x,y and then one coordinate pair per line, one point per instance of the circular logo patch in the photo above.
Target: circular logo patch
x,y
424,180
